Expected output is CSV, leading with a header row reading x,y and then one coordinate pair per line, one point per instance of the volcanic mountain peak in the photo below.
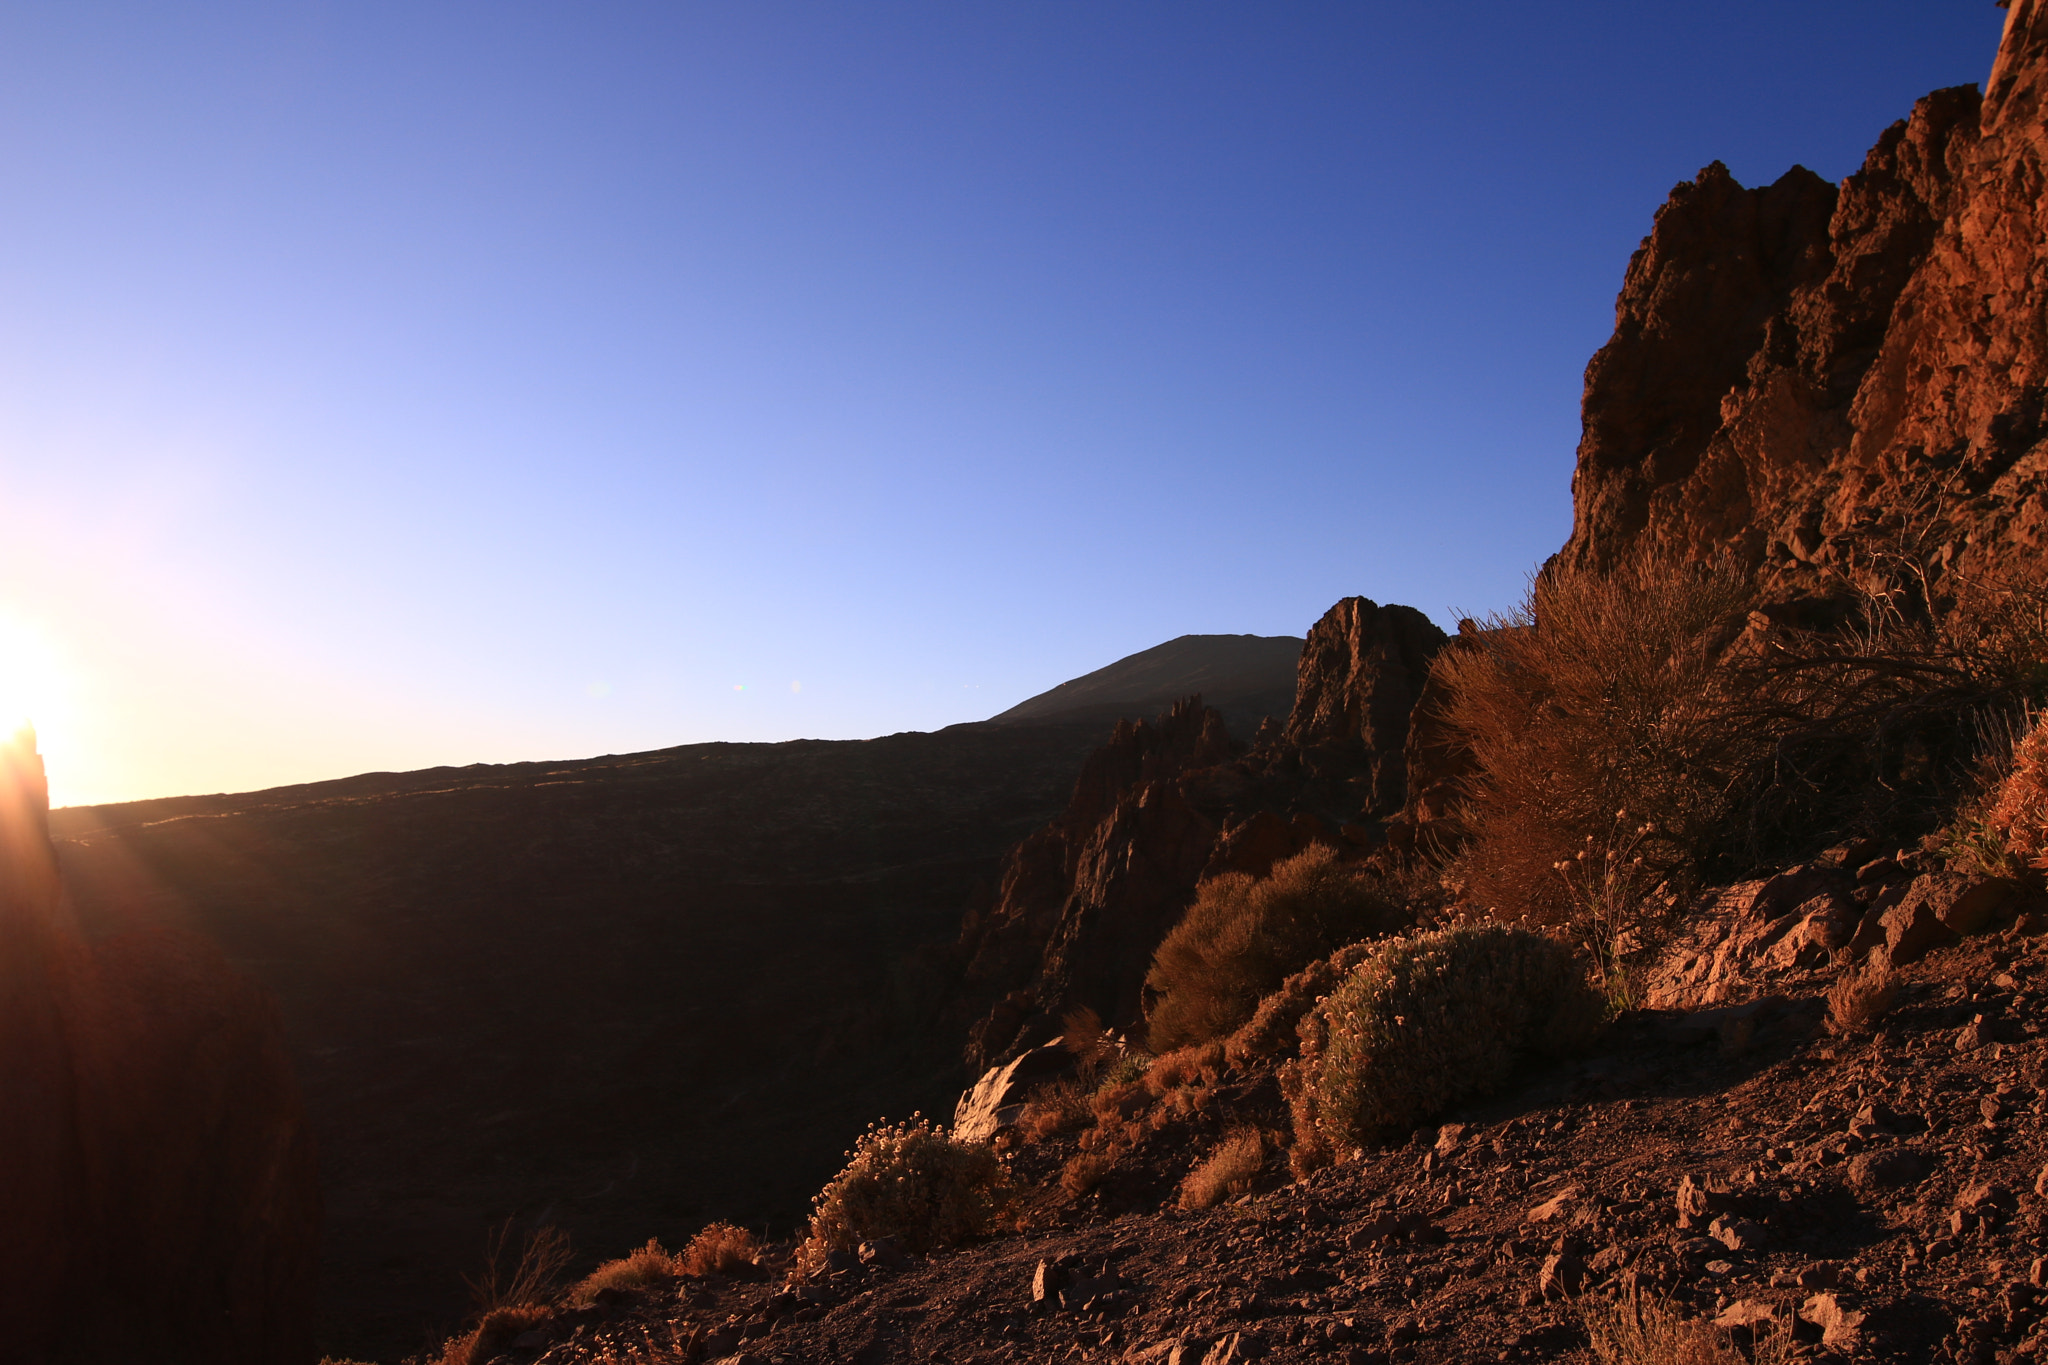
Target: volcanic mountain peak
x,y
1246,677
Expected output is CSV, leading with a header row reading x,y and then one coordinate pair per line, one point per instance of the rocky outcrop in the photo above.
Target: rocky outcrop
x,y
1086,900
158,1190
1361,671
1803,373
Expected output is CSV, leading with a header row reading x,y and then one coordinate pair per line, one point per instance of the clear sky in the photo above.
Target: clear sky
x,y
385,385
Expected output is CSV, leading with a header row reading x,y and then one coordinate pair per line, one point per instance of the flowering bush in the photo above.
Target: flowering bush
x,y
911,1181
1427,1021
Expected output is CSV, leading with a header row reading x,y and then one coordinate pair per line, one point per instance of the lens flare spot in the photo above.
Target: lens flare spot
x,y
599,688
796,687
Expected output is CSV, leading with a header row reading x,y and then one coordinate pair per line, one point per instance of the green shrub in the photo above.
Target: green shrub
x,y
1427,1021
911,1181
1243,937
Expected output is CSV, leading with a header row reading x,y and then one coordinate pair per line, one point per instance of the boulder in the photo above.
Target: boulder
x,y
1890,1169
1747,1314
995,1101
1913,929
1841,1325
1562,1277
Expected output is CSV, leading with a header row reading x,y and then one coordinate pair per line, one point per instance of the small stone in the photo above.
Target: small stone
x,y
1976,1034
1237,1347
1750,1313
1720,1269
1737,1234
1448,1137
1046,1282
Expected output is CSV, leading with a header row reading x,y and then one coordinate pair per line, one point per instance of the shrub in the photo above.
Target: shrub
x,y
1228,1170
493,1334
648,1265
1198,1064
1242,937
1060,1106
2018,817
1271,1030
1084,1172
1860,997
1596,696
532,1276
1427,1021
720,1249
1642,1331
911,1181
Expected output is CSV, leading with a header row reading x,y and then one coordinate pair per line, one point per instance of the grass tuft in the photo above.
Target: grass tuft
x,y
1227,1171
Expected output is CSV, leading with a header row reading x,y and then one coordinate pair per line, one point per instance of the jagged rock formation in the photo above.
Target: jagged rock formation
x,y
158,1186
1086,900
1802,372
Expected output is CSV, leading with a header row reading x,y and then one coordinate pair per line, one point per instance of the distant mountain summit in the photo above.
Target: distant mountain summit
x,y
1246,677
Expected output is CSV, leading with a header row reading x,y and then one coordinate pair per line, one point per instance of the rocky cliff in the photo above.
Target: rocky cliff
x,y
1085,900
1803,372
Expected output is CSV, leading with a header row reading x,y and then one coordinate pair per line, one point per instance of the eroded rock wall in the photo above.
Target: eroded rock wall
x,y
1802,372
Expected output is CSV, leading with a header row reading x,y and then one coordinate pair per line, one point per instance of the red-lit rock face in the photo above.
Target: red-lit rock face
x,y
158,1189
1800,366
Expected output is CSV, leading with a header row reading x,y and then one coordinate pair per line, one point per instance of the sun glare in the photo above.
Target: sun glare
x,y
33,690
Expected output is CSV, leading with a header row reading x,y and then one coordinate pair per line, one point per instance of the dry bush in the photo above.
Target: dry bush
x,y
1427,1021
1271,1030
1083,1034
720,1249
1243,937
1596,696
911,1181
493,1334
1055,1108
1084,1172
1638,1330
1635,735
646,1266
1885,720
1198,1064
532,1276
1112,1105
1229,1170
1860,996
2018,816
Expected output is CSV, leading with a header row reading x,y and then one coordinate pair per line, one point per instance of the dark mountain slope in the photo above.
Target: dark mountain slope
x,y
626,994
1245,677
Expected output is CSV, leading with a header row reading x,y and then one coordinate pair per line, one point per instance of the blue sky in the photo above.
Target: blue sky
x,y
386,385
